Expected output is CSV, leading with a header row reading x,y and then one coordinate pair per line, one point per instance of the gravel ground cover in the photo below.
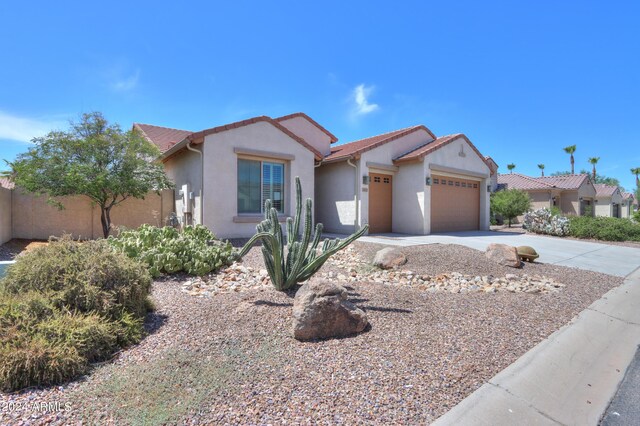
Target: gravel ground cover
x,y
230,359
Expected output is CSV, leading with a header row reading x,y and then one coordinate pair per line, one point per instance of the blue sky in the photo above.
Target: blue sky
x,y
520,79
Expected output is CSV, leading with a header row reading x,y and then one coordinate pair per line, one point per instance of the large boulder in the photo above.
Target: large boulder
x,y
321,311
389,257
504,255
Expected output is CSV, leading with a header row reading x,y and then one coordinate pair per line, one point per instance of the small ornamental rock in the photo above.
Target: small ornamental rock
x,y
389,257
321,311
504,255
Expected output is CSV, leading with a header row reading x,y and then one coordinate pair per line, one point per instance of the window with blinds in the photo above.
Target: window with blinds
x,y
259,181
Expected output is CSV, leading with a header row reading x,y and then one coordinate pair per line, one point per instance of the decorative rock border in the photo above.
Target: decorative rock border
x,y
237,277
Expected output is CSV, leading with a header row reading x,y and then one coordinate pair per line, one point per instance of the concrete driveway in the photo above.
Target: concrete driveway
x,y
609,259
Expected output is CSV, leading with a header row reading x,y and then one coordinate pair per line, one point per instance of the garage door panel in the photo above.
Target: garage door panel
x,y
380,199
455,204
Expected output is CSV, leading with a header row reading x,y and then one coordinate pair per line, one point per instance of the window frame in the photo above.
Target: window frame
x,y
262,161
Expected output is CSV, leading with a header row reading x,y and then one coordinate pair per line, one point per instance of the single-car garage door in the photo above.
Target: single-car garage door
x,y
380,198
455,204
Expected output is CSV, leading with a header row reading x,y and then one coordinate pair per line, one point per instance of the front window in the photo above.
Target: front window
x,y
257,182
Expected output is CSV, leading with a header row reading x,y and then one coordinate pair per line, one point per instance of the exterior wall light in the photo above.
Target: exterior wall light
x,y
488,188
365,180
427,180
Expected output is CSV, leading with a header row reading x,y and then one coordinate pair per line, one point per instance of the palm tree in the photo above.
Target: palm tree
x,y
511,167
636,172
594,161
570,150
541,167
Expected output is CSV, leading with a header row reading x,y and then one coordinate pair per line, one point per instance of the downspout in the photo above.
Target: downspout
x,y
356,185
315,166
201,181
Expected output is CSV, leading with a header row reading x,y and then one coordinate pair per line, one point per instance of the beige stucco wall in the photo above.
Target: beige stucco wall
x,y
34,218
540,199
221,175
408,214
334,192
310,133
627,209
185,171
448,156
5,215
569,203
604,205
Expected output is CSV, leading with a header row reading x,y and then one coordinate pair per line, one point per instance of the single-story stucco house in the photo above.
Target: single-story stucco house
x,y
608,200
572,194
629,203
406,181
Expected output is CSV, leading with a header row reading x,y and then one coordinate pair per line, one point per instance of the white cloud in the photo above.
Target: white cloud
x,y
362,105
24,129
126,84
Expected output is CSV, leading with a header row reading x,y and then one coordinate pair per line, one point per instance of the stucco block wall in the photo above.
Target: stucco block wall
x,y
5,215
408,214
221,174
335,203
310,133
34,218
604,207
185,169
449,156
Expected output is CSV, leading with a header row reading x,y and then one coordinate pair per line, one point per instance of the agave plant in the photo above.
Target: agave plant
x,y
298,258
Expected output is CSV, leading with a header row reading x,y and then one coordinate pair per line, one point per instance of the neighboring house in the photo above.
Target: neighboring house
x,y
224,174
608,200
572,194
628,204
407,181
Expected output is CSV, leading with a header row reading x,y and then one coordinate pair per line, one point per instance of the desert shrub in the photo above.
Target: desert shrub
x,y
543,221
65,305
194,250
604,228
510,203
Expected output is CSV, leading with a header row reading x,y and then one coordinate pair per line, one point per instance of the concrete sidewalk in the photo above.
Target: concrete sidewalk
x,y
570,377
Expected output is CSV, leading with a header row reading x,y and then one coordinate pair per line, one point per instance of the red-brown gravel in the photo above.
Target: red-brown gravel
x,y
230,359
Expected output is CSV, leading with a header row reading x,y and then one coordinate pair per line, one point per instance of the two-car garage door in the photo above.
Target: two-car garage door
x,y
455,204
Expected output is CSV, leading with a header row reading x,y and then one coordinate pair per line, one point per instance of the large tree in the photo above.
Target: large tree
x,y
92,158
510,203
636,171
570,150
541,167
511,167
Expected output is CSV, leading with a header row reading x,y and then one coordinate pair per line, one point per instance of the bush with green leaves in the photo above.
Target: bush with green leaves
x,y
545,221
66,305
194,250
604,228
510,203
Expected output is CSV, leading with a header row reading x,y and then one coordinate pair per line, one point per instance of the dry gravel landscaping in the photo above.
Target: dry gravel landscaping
x,y
229,358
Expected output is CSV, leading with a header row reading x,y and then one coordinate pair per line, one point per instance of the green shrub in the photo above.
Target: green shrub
x,y
65,305
195,250
87,277
510,203
604,228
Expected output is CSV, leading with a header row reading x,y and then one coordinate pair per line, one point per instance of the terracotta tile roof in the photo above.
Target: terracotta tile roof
x,y
565,181
603,190
627,195
355,148
198,137
163,137
522,182
518,181
310,120
6,183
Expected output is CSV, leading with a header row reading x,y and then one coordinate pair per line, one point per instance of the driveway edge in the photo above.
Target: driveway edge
x,y
568,378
